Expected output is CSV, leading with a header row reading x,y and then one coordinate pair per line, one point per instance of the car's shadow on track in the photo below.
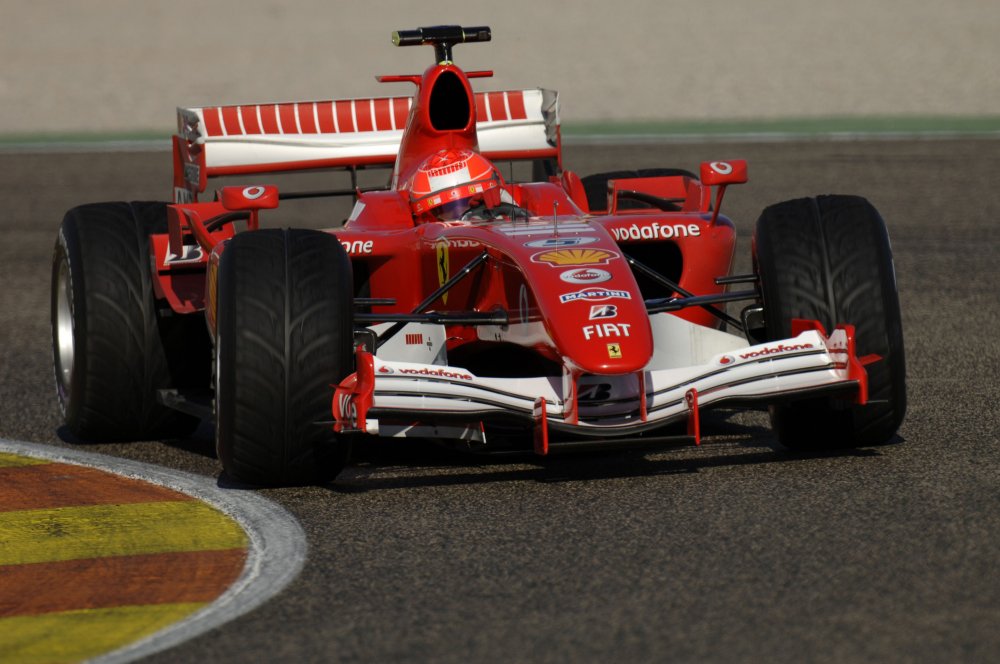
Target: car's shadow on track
x,y
380,464
201,442
418,463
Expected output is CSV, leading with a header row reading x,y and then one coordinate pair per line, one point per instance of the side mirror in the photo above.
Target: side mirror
x,y
724,172
257,197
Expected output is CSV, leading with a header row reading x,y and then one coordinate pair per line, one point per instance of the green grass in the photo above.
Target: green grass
x,y
86,137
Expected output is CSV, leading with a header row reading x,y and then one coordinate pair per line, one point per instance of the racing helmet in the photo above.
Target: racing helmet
x,y
449,182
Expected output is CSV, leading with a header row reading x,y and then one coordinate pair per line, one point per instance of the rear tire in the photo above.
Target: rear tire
x,y
112,351
829,259
284,338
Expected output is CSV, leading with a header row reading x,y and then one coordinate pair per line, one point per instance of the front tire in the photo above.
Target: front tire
x,y
284,337
828,258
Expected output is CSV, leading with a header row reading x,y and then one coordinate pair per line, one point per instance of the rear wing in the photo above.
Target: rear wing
x,y
348,133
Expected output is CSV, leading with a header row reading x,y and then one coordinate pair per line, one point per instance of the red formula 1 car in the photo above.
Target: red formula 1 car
x,y
553,312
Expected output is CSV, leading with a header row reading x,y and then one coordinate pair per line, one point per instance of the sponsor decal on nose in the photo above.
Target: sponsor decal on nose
x,y
586,275
606,330
603,311
569,257
595,294
555,242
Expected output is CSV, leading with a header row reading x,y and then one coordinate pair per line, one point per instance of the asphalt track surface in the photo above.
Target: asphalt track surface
x,y
735,551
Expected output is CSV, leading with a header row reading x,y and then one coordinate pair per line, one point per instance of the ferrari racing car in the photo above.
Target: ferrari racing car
x,y
550,312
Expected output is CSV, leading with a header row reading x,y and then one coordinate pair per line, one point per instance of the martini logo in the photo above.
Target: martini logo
x,y
569,257
595,294
585,275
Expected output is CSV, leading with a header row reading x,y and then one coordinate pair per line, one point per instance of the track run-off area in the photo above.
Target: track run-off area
x,y
734,551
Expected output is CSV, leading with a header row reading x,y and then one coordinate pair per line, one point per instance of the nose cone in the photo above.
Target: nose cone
x,y
591,305
602,330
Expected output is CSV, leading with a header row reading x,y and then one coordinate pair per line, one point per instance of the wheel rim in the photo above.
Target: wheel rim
x,y
64,329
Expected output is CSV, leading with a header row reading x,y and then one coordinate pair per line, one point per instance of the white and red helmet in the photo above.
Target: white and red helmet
x,y
445,181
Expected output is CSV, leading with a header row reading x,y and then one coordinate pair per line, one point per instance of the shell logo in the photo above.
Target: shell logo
x,y
564,257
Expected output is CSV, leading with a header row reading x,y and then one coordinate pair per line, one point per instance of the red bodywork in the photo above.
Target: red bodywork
x,y
561,278
388,242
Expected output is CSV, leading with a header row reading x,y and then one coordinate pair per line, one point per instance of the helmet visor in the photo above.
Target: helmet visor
x,y
453,210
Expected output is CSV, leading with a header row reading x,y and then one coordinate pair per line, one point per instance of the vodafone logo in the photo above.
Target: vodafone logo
x,y
585,275
347,412
772,350
655,231
436,373
722,167
726,359
253,193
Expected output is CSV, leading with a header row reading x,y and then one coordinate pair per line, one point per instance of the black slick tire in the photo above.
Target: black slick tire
x,y
112,351
284,338
828,258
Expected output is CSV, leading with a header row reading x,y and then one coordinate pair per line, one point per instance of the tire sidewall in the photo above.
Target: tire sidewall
x,y
67,252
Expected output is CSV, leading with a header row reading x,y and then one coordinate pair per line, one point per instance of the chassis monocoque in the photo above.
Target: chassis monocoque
x,y
581,313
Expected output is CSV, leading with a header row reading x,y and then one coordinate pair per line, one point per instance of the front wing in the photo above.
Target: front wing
x,y
412,399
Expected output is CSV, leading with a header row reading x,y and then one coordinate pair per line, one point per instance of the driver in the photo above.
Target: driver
x,y
453,185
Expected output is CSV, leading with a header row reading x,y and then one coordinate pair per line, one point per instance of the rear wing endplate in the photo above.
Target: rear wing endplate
x,y
348,133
